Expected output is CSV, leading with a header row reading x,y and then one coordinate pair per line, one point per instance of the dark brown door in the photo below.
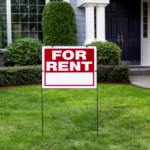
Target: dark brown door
x,y
123,27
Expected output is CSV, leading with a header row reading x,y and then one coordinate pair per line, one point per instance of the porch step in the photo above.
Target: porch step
x,y
139,71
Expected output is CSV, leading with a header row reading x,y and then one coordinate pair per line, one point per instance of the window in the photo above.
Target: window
x,y
145,20
26,19
20,19
3,24
95,22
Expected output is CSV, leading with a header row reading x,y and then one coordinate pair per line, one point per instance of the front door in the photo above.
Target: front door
x,y
123,27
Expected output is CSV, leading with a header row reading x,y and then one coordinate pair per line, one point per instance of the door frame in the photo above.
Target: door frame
x,y
145,44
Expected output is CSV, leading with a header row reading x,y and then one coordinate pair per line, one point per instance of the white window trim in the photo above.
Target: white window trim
x,y
67,1
47,1
9,37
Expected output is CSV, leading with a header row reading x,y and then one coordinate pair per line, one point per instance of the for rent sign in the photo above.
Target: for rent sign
x,y
69,67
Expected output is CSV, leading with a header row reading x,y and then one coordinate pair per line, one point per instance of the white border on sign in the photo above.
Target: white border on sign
x,y
70,87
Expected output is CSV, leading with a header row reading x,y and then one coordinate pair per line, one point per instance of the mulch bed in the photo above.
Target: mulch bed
x,y
1,87
126,82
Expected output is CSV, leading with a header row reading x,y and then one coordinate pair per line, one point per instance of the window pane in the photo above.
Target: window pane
x,y
145,34
40,35
24,27
39,18
145,27
145,5
39,27
145,13
3,43
145,19
33,18
3,18
14,1
3,27
34,35
33,26
24,17
14,8
32,2
23,2
14,17
3,24
16,35
33,9
24,34
40,9
24,9
3,37
3,9
41,2
2,2
15,27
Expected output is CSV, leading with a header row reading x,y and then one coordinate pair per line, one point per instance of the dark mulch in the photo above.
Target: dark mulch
x,y
1,87
125,82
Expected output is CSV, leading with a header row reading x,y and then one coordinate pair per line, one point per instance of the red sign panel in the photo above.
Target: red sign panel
x,y
69,67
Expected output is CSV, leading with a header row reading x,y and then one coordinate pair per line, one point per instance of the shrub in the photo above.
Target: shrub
x,y
26,51
112,73
58,23
10,76
108,53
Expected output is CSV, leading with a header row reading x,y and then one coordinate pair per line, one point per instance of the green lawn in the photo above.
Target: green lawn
x,y
124,118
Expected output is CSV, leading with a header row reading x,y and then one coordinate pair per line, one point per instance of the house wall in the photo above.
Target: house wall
x,y
80,21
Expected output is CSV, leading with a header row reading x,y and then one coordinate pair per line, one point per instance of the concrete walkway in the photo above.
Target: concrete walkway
x,y
140,81
140,76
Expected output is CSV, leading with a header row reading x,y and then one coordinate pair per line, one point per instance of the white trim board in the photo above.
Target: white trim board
x,y
145,44
47,1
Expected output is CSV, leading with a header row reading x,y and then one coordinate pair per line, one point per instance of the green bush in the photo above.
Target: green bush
x,y
58,23
112,73
108,53
26,51
10,76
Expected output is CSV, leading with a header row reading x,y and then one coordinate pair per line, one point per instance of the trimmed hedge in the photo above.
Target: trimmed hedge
x,y
112,73
10,76
58,24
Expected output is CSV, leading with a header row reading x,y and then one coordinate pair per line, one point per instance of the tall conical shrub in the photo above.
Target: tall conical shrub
x,y
58,23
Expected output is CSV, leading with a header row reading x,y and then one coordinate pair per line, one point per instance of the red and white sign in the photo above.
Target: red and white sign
x,y
69,67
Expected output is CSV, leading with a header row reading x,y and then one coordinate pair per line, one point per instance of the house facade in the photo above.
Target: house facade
x,y
124,22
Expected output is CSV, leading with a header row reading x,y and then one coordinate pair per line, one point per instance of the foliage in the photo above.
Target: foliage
x,y
26,51
112,73
32,74
20,75
58,23
108,53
